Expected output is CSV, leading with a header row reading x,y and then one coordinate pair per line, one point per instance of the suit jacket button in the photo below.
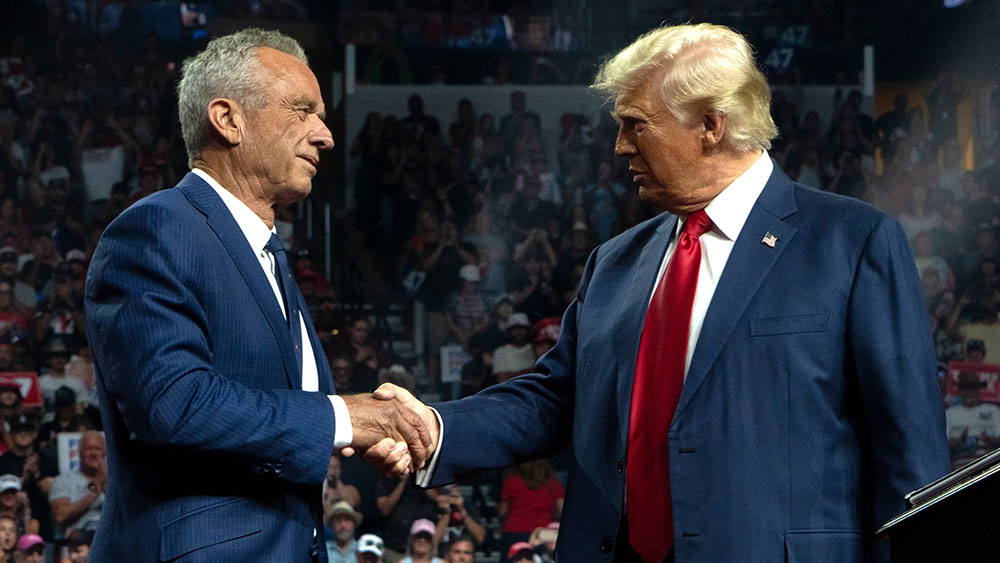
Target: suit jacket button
x,y
267,467
621,466
277,468
606,546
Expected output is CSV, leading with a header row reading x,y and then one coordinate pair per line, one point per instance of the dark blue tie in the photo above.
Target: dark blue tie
x,y
290,291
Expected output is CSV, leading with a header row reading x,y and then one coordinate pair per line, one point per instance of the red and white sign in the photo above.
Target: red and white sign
x,y
988,374
27,382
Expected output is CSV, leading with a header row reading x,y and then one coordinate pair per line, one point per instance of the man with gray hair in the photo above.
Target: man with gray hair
x,y
747,376
216,397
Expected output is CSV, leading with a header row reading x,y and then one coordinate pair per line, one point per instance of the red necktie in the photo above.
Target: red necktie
x,y
656,388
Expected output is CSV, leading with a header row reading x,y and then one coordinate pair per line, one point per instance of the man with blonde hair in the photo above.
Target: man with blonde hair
x,y
747,376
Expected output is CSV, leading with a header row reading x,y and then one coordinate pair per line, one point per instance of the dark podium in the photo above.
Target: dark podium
x,y
956,518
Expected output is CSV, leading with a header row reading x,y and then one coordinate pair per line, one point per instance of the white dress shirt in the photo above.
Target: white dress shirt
x,y
258,235
728,212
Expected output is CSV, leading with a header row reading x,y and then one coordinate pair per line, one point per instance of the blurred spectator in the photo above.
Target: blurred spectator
x,y
13,324
14,504
81,367
517,356
366,353
463,130
25,296
528,212
442,260
343,520
397,374
521,552
457,518
78,546
511,124
467,313
604,200
53,375
893,125
60,312
981,300
943,98
494,334
850,178
531,497
30,549
973,426
461,550
544,540
68,417
531,276
78,496
569,267
8,538
920,214
342,369
975,351
421,546
37,268
401,504
417,125
934,271
368,146
335,490
370,549
546,333
36,473
10,391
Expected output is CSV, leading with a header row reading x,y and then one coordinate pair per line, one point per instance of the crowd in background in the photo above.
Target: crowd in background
x,y
464,218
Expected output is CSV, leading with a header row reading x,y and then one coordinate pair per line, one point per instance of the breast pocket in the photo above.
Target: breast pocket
x,y
792,324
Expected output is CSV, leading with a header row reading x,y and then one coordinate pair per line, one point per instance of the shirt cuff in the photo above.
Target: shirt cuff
x,y
343,431
423,476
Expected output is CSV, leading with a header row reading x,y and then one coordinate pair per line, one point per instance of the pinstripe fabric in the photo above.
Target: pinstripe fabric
x,y
213,452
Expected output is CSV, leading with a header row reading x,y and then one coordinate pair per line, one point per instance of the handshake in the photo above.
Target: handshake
x,y
392,429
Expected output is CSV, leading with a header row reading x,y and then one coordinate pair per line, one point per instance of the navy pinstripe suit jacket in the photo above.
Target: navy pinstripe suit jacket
x,y
809,410
214,452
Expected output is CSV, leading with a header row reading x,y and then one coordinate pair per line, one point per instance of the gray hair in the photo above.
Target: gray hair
x,y
708,68
227,68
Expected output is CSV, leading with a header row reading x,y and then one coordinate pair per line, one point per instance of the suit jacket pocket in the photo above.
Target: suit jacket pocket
x,y
207,526
835,546
793,324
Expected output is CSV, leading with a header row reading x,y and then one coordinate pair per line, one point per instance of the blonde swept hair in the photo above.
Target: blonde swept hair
x,y
707,68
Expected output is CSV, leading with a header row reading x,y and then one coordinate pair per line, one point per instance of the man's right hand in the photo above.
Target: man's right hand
x,y
392,434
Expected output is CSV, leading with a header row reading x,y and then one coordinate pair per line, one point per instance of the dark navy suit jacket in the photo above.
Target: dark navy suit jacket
x,y
810,406
214,452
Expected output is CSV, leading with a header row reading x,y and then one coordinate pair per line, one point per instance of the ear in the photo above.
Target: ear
x,y
714,123
227,120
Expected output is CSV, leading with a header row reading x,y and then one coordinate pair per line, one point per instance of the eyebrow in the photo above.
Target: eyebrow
x,y
309,103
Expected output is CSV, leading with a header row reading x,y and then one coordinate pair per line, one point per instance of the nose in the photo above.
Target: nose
x,y
624,147
321,138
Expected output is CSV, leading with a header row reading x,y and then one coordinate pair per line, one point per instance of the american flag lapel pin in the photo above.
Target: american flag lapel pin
x,y
769,239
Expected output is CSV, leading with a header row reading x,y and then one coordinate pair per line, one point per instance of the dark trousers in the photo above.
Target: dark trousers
x,y
624,552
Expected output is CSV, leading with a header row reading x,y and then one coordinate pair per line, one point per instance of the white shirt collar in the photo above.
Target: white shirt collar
x,y
730,209
253,227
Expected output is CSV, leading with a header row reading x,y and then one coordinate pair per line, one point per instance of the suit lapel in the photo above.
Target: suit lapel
x,y
749,263
628,329
204,198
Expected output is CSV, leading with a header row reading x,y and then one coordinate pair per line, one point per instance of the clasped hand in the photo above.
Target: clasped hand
x,y
394,431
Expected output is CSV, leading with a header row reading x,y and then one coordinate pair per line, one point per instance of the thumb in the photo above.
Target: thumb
x,y
386,391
